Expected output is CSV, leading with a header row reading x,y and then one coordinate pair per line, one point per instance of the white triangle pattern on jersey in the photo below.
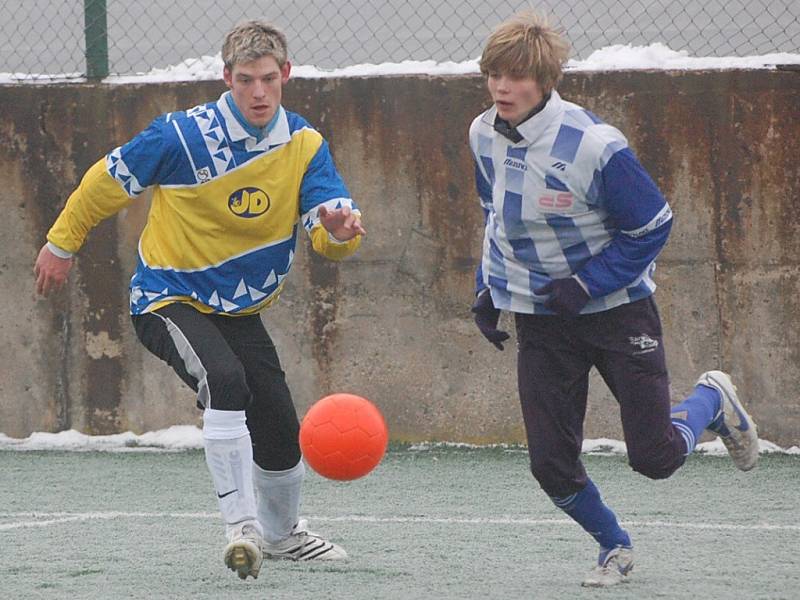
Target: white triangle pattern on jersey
x,y
271,280
241,289
214,138
229,306
255,294
117,168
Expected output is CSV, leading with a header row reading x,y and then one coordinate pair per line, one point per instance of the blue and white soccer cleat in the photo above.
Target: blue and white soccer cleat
x,y
243,552
303,544
614,566
732,424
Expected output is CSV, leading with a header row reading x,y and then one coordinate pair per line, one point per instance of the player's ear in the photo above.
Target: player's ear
x,y
285,70
227,76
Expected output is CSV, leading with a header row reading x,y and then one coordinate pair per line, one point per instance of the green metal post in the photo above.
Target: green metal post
x,y
96,35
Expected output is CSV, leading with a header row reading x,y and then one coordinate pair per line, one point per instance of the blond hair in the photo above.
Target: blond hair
x,y
251,40
526,46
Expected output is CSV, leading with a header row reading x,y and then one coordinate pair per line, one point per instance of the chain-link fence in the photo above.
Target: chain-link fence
x,y
74,38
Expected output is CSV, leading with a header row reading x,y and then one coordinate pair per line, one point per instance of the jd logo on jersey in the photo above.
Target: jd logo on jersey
x,y
248,202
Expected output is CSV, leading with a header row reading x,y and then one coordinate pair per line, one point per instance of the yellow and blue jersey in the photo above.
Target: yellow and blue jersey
x,y
223,222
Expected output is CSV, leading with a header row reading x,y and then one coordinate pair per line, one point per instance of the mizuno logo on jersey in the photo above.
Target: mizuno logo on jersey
x,y
515,164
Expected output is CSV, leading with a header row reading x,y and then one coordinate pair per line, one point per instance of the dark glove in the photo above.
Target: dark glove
x,y
565,297
486,318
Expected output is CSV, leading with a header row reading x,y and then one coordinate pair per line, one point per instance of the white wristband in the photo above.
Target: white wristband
x,y
335,240
55,250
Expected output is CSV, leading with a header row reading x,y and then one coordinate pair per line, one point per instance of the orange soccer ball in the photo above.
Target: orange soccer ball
x,y
343,436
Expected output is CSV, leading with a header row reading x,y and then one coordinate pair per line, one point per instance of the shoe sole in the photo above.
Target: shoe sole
x,y
722,382
597,584
610,582
244,559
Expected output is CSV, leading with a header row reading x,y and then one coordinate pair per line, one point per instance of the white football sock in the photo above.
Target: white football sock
x,y
229,454
278,500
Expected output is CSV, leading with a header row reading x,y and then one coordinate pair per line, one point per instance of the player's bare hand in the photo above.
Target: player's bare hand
x,y
341,223
50,271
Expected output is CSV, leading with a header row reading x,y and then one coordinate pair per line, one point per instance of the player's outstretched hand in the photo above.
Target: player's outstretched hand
x,y
341,223
50,271
487,317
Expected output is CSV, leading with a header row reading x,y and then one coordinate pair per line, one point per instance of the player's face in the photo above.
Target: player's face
x,y
256,87
513,96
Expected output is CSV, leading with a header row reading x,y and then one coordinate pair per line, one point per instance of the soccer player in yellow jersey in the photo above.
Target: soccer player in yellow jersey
x,y
231,180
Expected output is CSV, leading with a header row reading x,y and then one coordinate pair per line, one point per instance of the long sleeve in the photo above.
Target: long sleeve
x,y
323,186
96,198
485,195
110,185
325,246
643,220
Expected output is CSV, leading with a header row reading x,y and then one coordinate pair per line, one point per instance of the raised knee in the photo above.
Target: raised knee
x,y
653,468
227,388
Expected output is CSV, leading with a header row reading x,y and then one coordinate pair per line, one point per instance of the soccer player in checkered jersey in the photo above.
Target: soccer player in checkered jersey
x,y
573,224
232,180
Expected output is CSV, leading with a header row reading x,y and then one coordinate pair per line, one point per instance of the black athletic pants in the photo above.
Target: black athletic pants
x,y
232,364
555,356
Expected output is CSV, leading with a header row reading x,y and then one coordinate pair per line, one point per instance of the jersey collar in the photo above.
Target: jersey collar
x,y
277,130
531,128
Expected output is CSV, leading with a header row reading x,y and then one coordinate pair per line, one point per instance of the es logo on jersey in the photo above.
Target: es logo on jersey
x,y
249,202
556,201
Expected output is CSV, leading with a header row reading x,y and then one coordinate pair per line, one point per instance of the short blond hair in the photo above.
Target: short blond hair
x,y
526,46
251,40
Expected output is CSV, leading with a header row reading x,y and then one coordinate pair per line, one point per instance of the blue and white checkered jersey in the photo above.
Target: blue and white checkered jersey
x,y
569,199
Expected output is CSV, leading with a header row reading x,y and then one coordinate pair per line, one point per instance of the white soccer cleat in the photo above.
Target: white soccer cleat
x,y
732,424
614,566
303,544
243,552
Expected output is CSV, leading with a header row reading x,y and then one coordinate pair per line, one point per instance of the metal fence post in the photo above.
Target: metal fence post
x,y
96,35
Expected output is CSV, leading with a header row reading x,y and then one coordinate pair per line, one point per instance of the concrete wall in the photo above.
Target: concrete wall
x,y
393,323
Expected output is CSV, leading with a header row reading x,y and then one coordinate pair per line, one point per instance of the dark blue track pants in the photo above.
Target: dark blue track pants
x,y
555,356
